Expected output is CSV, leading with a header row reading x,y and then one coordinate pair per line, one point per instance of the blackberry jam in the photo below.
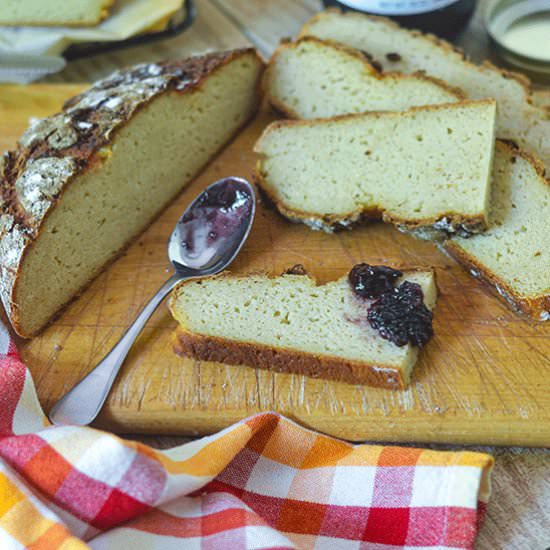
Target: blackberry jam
x,y
401,317
370,281
398,314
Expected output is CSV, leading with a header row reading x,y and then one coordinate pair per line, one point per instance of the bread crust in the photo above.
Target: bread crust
x,y
435,41
330,223
20,229
221,350
451,222
373,114
541,99
537,307
286,111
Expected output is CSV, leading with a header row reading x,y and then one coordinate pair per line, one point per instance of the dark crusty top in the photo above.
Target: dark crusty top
x,y
55,149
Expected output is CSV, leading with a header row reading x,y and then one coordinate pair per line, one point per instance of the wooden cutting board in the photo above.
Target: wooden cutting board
x,y
483,379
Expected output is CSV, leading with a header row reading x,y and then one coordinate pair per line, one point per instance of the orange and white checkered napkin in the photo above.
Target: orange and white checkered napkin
x,y
262,483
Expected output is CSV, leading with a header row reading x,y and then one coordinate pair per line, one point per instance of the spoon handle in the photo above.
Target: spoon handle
x,y
82,404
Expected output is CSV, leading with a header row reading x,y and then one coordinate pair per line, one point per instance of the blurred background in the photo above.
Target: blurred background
x,y
177,28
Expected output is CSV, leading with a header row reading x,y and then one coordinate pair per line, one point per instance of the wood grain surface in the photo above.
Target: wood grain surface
x,y
478,381
518,515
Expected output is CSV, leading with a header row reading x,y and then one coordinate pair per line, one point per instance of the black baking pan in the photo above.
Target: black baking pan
x,y
178,23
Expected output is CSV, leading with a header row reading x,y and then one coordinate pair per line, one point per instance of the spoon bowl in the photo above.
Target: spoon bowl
x,y
213,229
206,239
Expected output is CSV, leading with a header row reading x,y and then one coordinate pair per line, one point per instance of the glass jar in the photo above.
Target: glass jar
x,y
445,18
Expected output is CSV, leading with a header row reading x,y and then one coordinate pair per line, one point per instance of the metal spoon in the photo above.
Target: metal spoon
x,y
205,241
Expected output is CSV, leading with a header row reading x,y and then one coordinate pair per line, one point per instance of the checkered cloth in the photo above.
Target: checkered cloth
x,y
262,483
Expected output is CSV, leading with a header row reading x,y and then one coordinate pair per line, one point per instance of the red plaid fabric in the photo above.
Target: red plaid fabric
x,y
262,483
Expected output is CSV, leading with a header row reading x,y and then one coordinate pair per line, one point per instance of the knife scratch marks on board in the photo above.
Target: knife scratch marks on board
x,y
364,396
337,405
273,393
128,388
423,398
178,395
405,399
165,385
512,381
467,404
143,390
428,400
258,396
197,369
384,407
302,391
307,404
296,394
485,380
239,390
189,391
545,358
226,388
529,397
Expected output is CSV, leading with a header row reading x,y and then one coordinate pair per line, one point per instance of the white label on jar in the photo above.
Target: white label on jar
x,y
397,7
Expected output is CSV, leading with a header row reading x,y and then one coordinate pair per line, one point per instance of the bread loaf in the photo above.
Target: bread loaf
x,y
84,182
429,166
397,49
513,255
76,13
313,78
291,324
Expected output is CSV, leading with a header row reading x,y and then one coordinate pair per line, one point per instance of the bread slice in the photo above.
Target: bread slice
x,y
425,167
513,255
313,78
83,183
541,98
81,13
398,49
291,324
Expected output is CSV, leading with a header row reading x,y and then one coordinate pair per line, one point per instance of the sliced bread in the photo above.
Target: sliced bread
x,y
83,183
313,78
513,255
42,13
398,49
429,166
541,98
291,324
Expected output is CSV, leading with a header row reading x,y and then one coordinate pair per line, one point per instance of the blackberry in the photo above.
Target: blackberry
x,y
228,197
400,315
370,281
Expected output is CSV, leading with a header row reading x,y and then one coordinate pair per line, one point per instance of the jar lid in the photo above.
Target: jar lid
x,y
520,32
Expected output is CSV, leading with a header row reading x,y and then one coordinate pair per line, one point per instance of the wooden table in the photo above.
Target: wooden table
x,y
518,516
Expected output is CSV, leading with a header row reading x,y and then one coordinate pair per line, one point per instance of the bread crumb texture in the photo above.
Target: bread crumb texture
x,y
415,167
317,79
